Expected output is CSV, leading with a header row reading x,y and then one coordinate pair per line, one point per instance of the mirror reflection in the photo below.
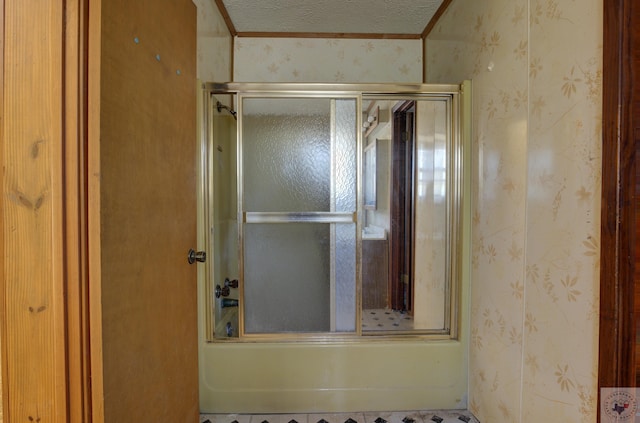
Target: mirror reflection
x,y
334,216
404,240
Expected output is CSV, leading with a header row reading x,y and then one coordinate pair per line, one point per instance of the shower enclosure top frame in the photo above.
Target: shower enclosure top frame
x,y
309,89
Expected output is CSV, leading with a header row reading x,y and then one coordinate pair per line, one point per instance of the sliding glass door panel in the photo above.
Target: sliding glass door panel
x,y
298,212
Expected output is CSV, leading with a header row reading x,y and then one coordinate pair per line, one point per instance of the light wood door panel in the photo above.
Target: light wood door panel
x,y
142,219
31,139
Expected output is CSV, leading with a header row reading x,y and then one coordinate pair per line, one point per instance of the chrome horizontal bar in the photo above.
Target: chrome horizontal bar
x,y
291,217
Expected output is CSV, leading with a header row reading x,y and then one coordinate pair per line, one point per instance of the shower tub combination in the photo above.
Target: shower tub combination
x,y
289,197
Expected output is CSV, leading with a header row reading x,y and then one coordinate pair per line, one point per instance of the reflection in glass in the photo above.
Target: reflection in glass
x,y
405,242
430,215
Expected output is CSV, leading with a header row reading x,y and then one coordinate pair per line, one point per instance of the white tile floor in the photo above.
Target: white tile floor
x,y
385,319
433,416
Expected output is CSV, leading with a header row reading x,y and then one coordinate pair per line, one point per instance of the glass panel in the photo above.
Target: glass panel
x,y
287,281
299,156
344,157
430,211
224,229
286,154
344,199
412,137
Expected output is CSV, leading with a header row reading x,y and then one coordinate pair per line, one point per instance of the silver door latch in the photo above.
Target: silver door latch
x,y
194,256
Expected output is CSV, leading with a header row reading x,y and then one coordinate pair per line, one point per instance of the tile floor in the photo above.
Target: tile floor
x,y
384,319
437,416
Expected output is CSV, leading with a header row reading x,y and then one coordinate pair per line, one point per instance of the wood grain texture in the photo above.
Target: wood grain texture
x,y
635,127
401,231
434,20
397,230
4,397
94,64
375,274
636,295
77,283
32,213
617,328
142,197
226,17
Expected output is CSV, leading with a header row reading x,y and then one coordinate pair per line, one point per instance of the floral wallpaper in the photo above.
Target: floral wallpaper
x,y
327,60
536,70
214,44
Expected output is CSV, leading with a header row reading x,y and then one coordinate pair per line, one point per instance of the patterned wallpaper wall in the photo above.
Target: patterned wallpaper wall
x,y
327,60
536,69
214,44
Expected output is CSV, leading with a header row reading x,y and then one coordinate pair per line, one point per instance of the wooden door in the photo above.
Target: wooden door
x,y
401,236
634,60
32,205
621,95
142,210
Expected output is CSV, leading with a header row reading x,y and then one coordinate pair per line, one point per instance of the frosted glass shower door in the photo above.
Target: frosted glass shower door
x,y
298,212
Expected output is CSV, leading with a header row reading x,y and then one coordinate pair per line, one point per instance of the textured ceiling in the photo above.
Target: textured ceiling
x,y
391,17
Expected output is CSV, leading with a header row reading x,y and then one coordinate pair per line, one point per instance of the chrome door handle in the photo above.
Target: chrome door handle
x,y
222,292
230,284
194,256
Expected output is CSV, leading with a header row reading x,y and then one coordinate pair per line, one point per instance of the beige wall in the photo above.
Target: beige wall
x,y
214,44
327,60
536,70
